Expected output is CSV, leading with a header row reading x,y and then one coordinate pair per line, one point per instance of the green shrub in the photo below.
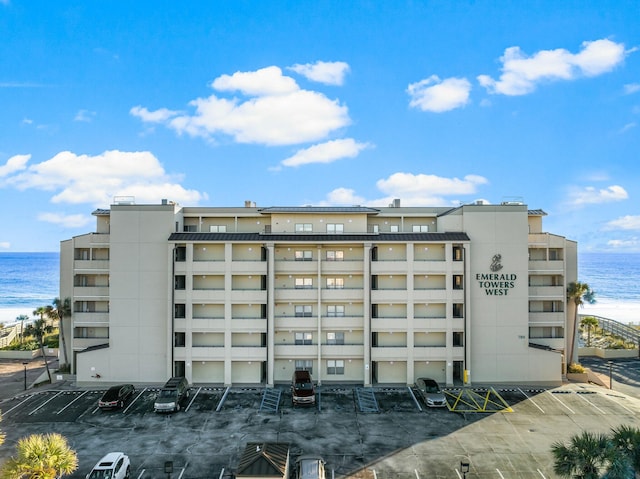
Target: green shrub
x,y
576,368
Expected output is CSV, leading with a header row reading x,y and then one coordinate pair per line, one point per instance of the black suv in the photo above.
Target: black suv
x,y
168,399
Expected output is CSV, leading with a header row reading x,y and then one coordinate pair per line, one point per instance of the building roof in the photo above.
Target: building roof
x,y
537,213
320,237
319,209
264,459
101,212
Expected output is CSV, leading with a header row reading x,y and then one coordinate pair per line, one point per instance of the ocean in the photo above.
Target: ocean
x,y
30,280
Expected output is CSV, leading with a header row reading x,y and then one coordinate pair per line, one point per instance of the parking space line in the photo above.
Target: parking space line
x,y
4,413
193,399
46,402
131,403
531,400
181,473
581,396
141,474
458,473
540,472
501,476
608,396
71,402
554,397
375,476
417,475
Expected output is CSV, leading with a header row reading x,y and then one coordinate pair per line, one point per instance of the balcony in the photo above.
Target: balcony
x,y
296,322
546,292
547,319
248,325
435,324
249,267
202,295
200,267
292,267
343,322
248,353
91,319
342,294
431,267
296,294
201,353
430,295
389,267
389,353
429,353
389,296
388,324
343,267
542,266
257,296
91,292
91,265
296,351
207,325
80,344
342,350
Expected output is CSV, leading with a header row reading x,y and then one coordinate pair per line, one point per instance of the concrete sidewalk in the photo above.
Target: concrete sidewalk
x,y
14,376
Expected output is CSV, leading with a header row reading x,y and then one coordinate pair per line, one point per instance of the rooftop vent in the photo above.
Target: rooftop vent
x,y
124,200
395,203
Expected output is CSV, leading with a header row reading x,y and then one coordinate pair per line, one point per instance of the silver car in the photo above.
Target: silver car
x,y
431,392
114,465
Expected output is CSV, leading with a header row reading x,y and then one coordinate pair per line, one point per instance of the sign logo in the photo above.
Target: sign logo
x,y
495,263
494,283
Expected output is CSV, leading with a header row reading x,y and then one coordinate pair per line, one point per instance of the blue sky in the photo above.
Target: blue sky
x,y
325,103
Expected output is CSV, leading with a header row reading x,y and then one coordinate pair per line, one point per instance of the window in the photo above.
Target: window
x,y
190,228
335,228
304,227
303,311
458,310
179,340
304,365
457,253
304,283
374,310
335,366
374,228
303,338
458,338
180,281
181,253
335,310
335,338
218,228
304,255
420,228
394,228
180,311
335,283
457,281
335,255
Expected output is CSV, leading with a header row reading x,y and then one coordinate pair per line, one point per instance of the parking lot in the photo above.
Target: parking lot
x,y
404,439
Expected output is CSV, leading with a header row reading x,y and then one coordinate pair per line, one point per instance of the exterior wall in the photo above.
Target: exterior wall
x,y
371,311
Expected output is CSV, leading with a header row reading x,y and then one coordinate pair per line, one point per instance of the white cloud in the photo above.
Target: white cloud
x,y
277,111
85,116
413,190
624,244
590,195
521,74
14,164
97,179
628,222
433,94
326,152
628,126
5,245
329,73
68,221
631,88
158,116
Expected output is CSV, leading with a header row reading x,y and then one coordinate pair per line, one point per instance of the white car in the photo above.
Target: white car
x,y
114,465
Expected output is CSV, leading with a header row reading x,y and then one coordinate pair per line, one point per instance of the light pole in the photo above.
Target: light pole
x,y
464,468
24,363
610,375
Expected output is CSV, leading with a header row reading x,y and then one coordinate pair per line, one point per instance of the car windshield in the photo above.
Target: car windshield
x,y
101,474
167,393
310,469
304,386
111,395
431,389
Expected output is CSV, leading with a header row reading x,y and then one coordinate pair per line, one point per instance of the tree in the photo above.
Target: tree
x,y
60,310
22,318
578,293
586,456
41,456
589,322
626,441
38,329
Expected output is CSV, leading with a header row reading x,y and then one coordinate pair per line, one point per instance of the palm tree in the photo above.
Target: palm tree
x,y
60,310
626,441
22,318
41,456
589,322
40,311
38,329
579,293
586,456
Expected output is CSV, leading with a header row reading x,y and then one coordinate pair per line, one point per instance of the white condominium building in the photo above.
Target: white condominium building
x,y
361,295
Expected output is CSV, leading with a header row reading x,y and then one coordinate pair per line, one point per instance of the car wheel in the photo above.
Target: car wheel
x,y
177,407
126,475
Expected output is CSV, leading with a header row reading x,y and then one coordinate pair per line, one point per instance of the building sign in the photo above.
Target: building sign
x,y
495,283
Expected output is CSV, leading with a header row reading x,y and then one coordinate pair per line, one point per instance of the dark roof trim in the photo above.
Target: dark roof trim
x,y
321,237
536,213
101,212
94,348
319,209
